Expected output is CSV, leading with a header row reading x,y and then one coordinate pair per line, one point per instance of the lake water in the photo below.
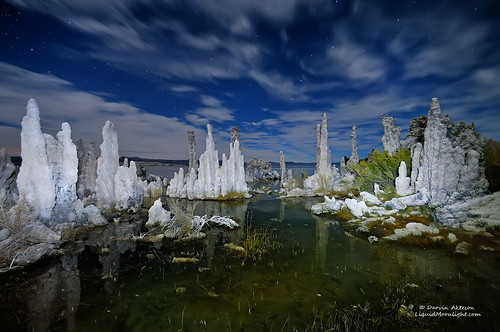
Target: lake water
x,y
319,278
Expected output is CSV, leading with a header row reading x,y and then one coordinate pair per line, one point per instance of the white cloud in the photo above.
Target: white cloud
x,y
139,133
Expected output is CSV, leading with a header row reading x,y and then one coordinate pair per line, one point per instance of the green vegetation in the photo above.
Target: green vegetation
x,y
492,164
232,195
259,243
380,168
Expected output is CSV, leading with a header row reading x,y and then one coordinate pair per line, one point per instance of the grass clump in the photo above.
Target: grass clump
x,y
381,168
259,243
344,214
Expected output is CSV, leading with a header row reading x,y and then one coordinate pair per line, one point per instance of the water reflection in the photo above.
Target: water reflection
x,y
332,268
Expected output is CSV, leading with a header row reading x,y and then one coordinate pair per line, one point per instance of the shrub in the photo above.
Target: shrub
x,y
381,168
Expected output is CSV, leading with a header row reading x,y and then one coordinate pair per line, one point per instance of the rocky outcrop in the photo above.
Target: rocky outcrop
x,y
476,214
391,138
35,180
260,170
451,163
212,181
326,175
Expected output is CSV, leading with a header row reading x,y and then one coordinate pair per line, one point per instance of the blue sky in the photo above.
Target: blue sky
x,y
159,68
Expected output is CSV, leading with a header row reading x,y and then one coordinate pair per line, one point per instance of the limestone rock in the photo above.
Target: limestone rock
x,y
87,171
192,151
35,180
324,179
452,160
329,205
391,138
354,146
283,169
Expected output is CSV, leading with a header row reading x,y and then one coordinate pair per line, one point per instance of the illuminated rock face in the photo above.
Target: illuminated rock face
x,y
450,166
35,180
212,181
325,176
107,166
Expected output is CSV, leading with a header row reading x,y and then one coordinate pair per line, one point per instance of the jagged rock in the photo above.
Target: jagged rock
x,y
260,170
391,138
452,162
416,157
87,171
7,172
65,170
235,134
192,151
403,187
324,179
416,131
128,187
107,166
372,239
213,182
35,180
482,209
354,147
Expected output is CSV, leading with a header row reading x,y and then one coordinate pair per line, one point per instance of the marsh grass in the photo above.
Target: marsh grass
x,y
260,244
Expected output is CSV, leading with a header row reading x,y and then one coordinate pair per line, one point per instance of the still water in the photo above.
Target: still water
x,y
320,275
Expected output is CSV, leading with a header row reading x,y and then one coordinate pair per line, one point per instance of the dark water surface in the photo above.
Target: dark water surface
x,y
113,284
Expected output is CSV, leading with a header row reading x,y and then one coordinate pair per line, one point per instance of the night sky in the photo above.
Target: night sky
x,y
159,68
